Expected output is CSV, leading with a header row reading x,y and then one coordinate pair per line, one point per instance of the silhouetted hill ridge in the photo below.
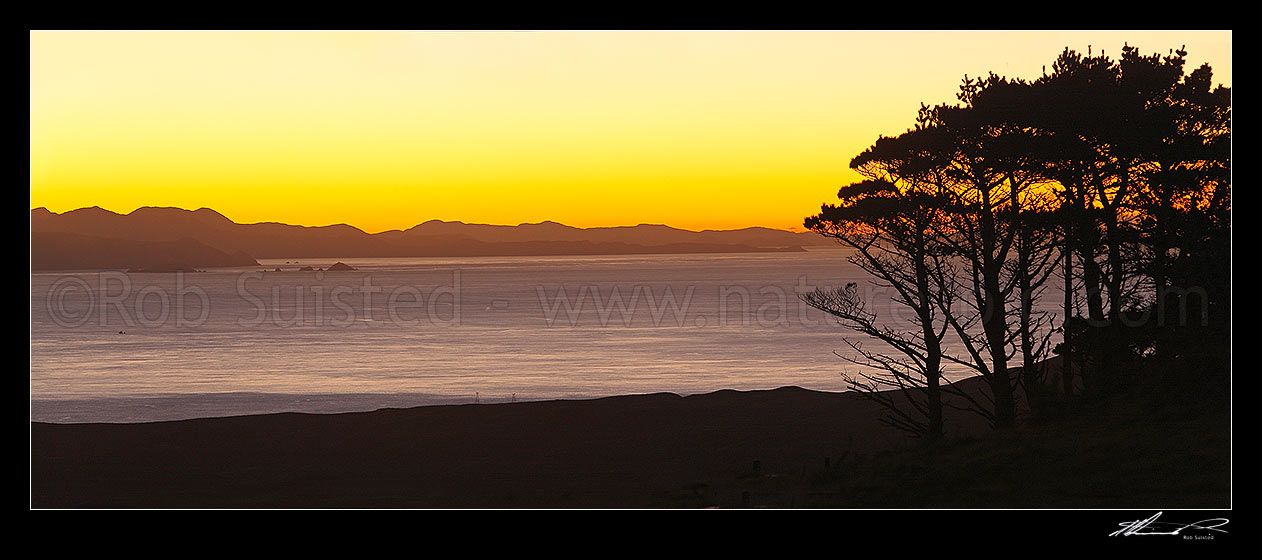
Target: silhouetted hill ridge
x,y
430,238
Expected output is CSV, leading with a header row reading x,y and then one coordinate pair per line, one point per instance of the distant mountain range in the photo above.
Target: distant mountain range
x,y
174,238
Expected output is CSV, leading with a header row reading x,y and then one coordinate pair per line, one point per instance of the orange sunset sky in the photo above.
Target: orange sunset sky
x,y
384,130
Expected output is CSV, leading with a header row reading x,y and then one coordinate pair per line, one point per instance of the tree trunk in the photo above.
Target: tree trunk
x,y
1029,370
933,349
996,332
993,320
1096,321
1066,347
994,323
933,393
1116,269
1091,277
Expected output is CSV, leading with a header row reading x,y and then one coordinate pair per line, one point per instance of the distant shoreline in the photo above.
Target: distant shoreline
x,y
141,409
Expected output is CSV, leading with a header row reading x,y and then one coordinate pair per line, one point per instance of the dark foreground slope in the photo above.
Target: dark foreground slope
x,y
631,451
1127,453
783,448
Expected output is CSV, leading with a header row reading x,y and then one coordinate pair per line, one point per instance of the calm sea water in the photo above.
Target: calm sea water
x,y
118,347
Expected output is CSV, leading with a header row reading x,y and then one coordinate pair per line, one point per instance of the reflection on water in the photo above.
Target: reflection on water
x,y
402,332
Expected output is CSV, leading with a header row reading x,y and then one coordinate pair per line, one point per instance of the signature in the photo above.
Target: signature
x,y
1151,526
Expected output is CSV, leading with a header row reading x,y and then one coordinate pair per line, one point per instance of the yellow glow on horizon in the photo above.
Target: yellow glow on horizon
x,y
384,130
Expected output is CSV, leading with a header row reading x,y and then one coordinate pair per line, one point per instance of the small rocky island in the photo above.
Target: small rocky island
x,y
337,266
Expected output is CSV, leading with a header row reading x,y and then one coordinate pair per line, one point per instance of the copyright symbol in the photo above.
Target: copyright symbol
x,y
63,315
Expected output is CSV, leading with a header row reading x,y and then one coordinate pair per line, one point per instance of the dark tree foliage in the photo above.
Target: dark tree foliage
x,y
1141,153
1113,174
